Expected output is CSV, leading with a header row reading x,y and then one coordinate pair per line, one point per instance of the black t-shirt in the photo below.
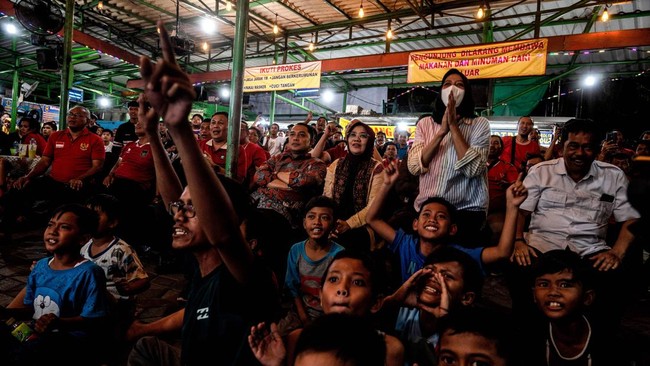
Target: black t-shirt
x,y
125,134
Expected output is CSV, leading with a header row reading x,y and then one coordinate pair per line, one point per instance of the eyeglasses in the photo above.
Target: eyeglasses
x,y
188,210
361,135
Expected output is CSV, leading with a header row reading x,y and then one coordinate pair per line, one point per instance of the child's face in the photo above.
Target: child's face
x,y
468,349
318,222
315,358
431,291
347,288
434,223
105,224
63,234
558,295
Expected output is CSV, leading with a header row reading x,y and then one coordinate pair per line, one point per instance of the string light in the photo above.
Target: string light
x,y
276,30
605,16
361,13
100,5
228,6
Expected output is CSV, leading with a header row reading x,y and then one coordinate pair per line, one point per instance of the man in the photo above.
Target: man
x,y
228,285
93,120
390,151
500,176
272,142
571,201
196,121
402,144
254,155
126,131
112,154
204,130
642,148
380,140
216,148
515,150
73,156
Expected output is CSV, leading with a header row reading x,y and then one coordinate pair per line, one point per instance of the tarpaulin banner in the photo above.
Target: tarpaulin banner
x,y
494,60
282,77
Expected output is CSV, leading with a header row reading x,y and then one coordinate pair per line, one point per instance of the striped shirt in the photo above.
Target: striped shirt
x,y
463,182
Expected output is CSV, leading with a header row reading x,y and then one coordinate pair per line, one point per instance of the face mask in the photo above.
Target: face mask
x,y
458,94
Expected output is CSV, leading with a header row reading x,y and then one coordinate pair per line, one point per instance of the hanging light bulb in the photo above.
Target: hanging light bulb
x,y
228,6
205,46
276,30
605,16
361,13
311,46
389,34
100,5
480,13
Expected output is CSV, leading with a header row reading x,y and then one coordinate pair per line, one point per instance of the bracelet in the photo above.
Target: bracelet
x,y
520,239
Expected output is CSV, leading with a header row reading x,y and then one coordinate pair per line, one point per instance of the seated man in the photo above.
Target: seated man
x,y
74,156
500,176
215,149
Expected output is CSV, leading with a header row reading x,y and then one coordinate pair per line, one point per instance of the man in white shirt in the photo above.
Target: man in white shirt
x,y
274,143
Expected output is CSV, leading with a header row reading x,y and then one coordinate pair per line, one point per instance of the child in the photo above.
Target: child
x,y
450,280
307,262
65,296
125,274
476,336
352,285
435,228
563,292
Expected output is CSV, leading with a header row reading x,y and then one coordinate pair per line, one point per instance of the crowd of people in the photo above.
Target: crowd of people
x,y
329,245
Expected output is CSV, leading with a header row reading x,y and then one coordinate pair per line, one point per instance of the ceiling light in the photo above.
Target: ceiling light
x,y
590,80
208,25
361,13
605,16
11,28
311,46
104,102
480,13
100,5
389,34
328,95
228,6
276,30
224,92
205,46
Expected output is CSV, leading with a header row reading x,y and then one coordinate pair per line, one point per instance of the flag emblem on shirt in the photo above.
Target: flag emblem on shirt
x,y
59,144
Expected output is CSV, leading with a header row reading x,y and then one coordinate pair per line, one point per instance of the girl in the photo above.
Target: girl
x,y
351,285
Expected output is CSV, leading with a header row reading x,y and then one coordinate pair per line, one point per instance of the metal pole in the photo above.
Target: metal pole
x,y
66,71
237,87
15,89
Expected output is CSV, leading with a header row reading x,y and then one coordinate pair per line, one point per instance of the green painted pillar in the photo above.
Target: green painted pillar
x,y
15,88
237,87
67,70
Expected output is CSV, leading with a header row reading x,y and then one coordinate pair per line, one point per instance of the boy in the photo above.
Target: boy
x,y
125,274
435,228
307,262
65,296
476,336
563,290
450,280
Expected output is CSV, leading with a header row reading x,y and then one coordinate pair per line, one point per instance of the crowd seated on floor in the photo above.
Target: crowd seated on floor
x,y
292,240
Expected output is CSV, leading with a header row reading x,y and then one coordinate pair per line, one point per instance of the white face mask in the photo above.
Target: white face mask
x,y
458,94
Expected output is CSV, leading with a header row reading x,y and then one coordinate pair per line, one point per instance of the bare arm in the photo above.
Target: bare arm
x,y
373,218
515,196
171,323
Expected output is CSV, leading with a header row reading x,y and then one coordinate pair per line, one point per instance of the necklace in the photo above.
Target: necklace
x,y
548,348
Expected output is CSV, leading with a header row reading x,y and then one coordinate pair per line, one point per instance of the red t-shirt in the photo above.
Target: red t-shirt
x,y
40,142
500,176
137,163
337,152
72,158
520,151
218,156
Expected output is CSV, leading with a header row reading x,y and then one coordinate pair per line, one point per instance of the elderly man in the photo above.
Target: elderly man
x,y
74,157
571,200
516,148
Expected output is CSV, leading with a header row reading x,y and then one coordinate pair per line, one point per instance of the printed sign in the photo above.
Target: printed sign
x,y
304,75
495,60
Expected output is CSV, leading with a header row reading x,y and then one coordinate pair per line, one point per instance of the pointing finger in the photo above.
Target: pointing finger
x,y
165,44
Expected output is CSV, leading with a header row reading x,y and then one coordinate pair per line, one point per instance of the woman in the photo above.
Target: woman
x,y
353,181
450,156
47,129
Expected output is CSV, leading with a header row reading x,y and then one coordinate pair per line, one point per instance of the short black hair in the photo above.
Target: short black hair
x,y
576,125
133,103
108,130
51,124
451,209
491,324
500,139
93,116
197,115
222,113
558,260
321,201
107,204
87,219
381,133
33,124
352,339
94,128
387,143
472,276
465,109
378,275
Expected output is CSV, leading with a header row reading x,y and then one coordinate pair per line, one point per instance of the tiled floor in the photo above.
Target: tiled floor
x,y
161,298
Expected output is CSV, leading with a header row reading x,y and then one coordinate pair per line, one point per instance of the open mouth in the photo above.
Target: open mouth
x,y
431,228
554,305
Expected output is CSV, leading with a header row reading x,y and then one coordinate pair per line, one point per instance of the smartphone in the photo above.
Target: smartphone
x,y
611,136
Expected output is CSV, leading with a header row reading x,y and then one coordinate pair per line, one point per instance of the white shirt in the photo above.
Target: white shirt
x,y
573,214
275,144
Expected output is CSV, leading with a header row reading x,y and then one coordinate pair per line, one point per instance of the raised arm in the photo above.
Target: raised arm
x,y
373,215
171,93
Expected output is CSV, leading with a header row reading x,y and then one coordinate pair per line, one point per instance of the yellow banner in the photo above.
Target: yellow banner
x,y
494,60
304,75
388,130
